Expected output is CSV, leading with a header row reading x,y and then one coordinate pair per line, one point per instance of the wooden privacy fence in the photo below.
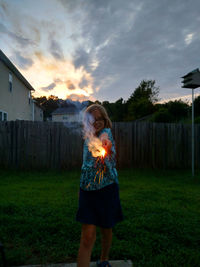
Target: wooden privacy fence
x,y
53,145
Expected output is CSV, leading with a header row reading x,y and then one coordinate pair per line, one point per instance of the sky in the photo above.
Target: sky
x,y
102,49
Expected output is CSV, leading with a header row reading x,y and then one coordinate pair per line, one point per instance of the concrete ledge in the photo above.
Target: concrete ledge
x,y
118,263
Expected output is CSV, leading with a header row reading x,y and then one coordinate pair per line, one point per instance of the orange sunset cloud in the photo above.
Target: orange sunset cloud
x,y
49,76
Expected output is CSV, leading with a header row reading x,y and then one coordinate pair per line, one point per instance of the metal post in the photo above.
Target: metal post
x,y
192,81
192,132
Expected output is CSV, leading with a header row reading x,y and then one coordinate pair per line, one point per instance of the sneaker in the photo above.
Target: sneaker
x,y
103,264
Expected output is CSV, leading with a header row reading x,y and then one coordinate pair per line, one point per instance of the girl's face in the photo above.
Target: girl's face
x,y
99,122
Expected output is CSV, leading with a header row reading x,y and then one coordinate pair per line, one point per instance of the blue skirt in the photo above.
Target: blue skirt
x,y
100,207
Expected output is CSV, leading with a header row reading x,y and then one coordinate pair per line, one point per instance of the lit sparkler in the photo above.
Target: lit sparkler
x,y
97,150
99,164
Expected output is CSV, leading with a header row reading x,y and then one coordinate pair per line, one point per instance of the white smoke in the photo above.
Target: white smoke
x,y
84,126
88,128
94,143
79,109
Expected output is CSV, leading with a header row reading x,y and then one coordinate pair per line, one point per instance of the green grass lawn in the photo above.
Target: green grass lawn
x,y
161,224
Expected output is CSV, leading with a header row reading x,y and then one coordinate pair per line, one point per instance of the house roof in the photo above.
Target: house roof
x,y
12,67
65,110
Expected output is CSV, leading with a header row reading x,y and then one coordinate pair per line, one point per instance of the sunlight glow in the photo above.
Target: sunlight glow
x,y
49,76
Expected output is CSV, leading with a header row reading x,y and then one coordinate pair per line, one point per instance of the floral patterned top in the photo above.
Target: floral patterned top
x,y
91,176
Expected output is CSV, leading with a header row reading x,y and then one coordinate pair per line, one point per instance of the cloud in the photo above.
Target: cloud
x,y
70,85
4,6
3,29
55,50
30,32
105,48
59,78
136,40
81,58
185,98
15,38
49,87
80,98
21,61
83,83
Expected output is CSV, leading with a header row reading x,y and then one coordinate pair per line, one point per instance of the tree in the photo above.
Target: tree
x,y
116,111
141,102
147,90
49,104
108,107
172,111
178,109
197,106
97,102
53,97
162,115
141,108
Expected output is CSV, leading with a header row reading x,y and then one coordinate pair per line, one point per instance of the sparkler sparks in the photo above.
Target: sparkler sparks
x,y
95,146
97,150
99,164
103,152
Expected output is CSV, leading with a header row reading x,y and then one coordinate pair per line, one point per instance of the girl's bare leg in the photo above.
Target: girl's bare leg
x,y
106,241
88,238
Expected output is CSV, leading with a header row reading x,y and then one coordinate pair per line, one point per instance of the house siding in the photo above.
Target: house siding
x,y
38,113
66,117
16,102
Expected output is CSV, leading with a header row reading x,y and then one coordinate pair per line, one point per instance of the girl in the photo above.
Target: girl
x,y
99,203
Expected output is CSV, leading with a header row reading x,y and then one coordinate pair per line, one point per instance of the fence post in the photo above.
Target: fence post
x,y
3,255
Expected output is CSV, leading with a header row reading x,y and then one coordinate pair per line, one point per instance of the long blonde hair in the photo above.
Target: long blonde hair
x,y
104,114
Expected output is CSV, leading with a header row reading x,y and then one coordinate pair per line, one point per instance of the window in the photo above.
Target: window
x,y
3,116
29,98
10,82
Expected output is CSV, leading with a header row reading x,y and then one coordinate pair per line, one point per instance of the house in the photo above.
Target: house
x,y
38,112
66,114
16,102
69,111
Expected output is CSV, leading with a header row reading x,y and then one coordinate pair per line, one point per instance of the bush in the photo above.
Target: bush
x,y
197,106
178,109
162,115
197,120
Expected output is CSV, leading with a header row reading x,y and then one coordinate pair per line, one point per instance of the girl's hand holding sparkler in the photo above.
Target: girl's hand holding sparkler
x,y
106,143
104,149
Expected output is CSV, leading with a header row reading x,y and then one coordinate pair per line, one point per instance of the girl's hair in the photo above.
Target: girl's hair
x,y
104,114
